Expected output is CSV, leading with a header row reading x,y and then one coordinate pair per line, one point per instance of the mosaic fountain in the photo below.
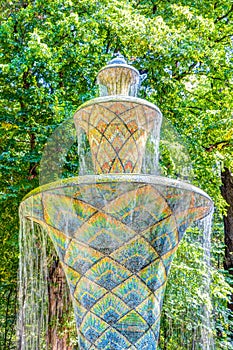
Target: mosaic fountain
x,y
116,232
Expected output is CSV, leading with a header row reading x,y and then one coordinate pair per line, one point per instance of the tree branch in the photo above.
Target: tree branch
x,y
215,145
224,16
224,37
183,74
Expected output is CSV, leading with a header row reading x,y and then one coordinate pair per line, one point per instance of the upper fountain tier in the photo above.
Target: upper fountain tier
x,y
118,78
118,124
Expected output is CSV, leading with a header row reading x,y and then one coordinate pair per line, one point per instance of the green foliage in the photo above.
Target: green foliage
x,y
50,53
195,306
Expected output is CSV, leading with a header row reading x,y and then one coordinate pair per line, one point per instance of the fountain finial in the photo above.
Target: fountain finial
x,y
118,59
118,78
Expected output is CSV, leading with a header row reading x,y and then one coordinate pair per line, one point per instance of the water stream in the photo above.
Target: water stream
x,y
33,288
207,339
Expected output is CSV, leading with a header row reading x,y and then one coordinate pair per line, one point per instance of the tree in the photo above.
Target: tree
x,y
227,193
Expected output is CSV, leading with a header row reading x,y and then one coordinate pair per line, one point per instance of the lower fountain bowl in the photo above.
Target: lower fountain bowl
x,y
116,236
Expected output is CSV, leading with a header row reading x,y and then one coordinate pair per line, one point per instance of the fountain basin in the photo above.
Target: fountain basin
x,y
116,236
117,128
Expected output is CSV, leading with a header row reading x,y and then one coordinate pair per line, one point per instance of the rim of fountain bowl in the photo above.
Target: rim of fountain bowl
x,y
115,177
119,65
119,98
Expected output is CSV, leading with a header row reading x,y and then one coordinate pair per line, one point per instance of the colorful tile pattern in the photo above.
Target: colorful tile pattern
x,y
116,254
115,341
132,291
117,132
135,254
132,326
110,308
108,273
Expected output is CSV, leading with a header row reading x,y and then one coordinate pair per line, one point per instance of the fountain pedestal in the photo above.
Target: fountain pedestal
x,y
116,236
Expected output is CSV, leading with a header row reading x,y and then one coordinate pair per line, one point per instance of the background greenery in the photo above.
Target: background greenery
x,y
50,53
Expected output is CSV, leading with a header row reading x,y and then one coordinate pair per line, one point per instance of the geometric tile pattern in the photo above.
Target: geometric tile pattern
x,y
110,308
117,132
116,254
108,273
132,291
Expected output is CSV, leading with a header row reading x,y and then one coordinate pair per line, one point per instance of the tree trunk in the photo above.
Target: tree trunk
x,y
59,309
227,193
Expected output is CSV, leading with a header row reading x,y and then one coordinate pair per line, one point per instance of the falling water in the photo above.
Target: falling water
x,y
150,163
207,339
37,323
187,329
33,290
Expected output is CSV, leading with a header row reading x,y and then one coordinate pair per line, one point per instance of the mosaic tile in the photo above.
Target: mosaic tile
x,y
117,133
153,275
60,241
119,164
32,207
111,339
81,257
132,326
200,202
155,329
110,308
135,114
92,194
118,261
132,126
101,126
108,273
168,258
83,343
147,342
100,194
113,132
163,236
59,213
88,292
92,327
176,198
149,309
133,291
79,311
103,233
135,254
150,115
159,294
140,208
118,107
83,210
72,276
114,190
100,112
185,218
62,191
